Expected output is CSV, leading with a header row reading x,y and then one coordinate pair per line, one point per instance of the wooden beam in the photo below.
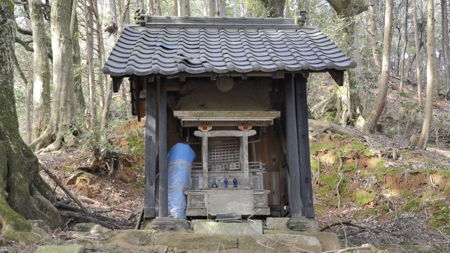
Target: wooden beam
x,y
224,133
117,81
303,145
338,76
150,151
162,149
295,200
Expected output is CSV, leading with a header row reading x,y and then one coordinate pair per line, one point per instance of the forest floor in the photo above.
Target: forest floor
x,y
379,189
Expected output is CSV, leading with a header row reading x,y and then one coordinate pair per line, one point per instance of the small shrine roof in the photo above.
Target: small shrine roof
x,y
172,46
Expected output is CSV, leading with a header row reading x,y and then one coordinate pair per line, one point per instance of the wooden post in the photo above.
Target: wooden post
x,y
205,160
150,150
244,160
303,144
162,153
295,200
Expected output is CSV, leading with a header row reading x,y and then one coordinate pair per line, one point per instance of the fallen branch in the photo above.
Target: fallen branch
x,y
64,188
348,223
110,225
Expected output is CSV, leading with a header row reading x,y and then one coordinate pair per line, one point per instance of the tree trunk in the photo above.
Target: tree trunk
x,y
373,34
90,63
156,8
23,193
385,68
63,111
210,8
80,103
41,71
29,87
431,58
100,52
348,102
184,8
445,46
150,7
405,45
124,12
417,43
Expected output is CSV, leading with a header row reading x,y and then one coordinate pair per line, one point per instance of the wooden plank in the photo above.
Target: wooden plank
x,y
303,145
224,133
205,160
162,148
150,151
292,146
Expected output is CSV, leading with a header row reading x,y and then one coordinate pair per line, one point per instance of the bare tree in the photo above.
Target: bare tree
x,y
431,58
385,68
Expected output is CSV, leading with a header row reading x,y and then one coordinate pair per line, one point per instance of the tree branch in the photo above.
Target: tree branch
x,y
24,31
30,49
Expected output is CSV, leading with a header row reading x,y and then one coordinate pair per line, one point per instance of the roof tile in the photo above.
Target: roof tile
x,y
174,45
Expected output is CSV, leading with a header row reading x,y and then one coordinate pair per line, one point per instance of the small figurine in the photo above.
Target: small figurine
x,y
235,183
214,184
225,182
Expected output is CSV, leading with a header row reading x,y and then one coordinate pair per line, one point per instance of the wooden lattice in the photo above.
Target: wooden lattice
x,y
224,155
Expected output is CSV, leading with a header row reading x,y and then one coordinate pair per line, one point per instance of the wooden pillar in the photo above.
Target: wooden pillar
x,y
150,150
244,159
205,160
303,144
295,201
162,148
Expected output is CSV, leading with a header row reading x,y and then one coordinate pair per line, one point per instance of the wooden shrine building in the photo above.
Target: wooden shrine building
x,y
235,90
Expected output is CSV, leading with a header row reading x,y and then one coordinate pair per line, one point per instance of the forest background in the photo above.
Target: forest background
x,y
400,56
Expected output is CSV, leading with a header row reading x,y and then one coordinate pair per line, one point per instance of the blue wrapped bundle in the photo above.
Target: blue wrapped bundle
x,y
180,159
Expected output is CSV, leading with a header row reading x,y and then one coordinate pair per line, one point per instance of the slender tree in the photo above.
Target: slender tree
x,y
431,58
385,68
91,120
405,45
373,34
445,45
41,70
417,46
23,193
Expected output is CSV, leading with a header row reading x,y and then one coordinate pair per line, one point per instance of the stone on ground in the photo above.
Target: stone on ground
x,y
73,248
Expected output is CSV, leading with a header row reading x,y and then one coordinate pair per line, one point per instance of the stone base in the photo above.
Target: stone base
x,y
166,223
302,224
244,228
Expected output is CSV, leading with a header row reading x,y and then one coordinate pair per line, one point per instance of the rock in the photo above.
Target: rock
x,y
192,241
279,243
73,248
90,228
329,241
277,223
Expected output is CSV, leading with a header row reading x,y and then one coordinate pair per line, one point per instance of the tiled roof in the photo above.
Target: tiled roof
x,y
170,46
